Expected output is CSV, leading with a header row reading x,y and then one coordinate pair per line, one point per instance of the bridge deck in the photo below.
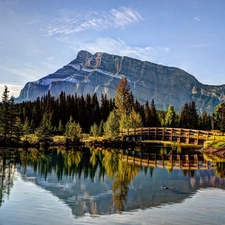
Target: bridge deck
x,y
180,135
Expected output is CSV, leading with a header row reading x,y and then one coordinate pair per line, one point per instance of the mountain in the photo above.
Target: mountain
x,y
99,72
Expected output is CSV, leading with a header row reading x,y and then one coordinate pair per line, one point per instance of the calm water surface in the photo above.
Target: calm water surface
x,y
111,186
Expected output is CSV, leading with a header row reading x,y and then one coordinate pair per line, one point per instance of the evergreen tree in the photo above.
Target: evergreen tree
x,y
147,122
73,130
44,131
105,107
170,119
8,119
189,116
184,117
205,121
95,113
26,129
193,115
60,127
219,117
111,128
124,121
4,116
81,113
133,120
154,121
13,119
101,128
18,130
94,130
63,109
123,98
88,113
36,113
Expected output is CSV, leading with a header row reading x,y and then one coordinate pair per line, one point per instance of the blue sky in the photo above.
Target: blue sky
x,y
37,37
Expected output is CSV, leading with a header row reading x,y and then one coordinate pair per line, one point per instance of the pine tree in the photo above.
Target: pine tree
x,y
184,117
4,116
8,119
105,107
101,128
133,120
95,113
26,127
205,121
73,130
189,116
170,120
18,130
219,117
94,130
111,128
124,121
123,98
60,127
154,121
147,122
193,116
44,131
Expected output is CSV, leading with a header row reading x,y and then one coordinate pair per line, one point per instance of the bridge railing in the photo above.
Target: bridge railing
x,y
165,133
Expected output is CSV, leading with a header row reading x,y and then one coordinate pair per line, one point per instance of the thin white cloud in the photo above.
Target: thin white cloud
x,y
119,47
124,16
25,72
196,18
68,24
198,46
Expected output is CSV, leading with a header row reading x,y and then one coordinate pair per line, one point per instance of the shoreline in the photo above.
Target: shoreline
x,y
220,152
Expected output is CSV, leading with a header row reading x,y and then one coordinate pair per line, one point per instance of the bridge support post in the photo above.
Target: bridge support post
x,y
180,136
171,135
163,134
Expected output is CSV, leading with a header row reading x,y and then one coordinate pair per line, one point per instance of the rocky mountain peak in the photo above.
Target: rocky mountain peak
x,y
98,73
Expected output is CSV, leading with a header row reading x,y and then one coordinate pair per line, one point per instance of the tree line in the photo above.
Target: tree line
x,y
71,115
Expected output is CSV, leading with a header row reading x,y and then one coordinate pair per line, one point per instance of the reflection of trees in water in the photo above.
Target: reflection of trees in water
x,y
7,172
85,163
124,175
80,163
220,170
63,162
110,162
94,164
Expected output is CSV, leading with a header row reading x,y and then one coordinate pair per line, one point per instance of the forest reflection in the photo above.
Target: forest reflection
x,y
74,162
120,165
7,172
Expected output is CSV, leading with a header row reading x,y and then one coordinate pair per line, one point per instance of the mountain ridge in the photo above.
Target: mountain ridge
x,y
97,73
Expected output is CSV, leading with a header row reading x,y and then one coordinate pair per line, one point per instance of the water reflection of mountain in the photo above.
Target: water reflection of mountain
x,y
102,182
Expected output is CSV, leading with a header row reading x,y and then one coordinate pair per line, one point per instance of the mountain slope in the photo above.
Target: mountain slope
x,y
99,72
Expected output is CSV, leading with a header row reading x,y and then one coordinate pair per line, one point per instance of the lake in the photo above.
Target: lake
x,y
155,185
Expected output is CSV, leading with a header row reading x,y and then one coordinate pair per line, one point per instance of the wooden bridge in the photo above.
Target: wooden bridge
x,y
179,135
187,161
